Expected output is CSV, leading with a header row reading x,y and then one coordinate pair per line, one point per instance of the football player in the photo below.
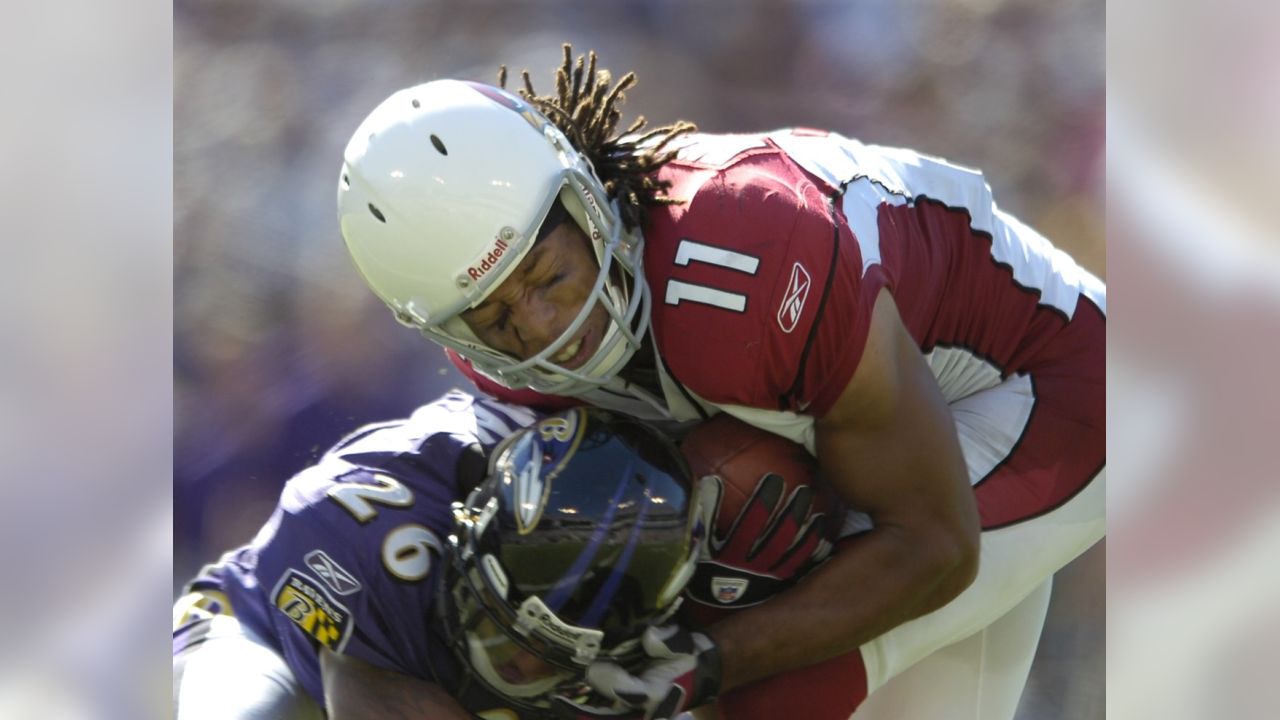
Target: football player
x,y
942,360
367,595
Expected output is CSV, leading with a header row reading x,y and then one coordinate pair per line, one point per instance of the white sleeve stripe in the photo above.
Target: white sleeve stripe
x,y
876,175
861,195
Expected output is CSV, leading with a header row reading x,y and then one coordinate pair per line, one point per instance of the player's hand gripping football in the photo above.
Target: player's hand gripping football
x,y
772,541
681,671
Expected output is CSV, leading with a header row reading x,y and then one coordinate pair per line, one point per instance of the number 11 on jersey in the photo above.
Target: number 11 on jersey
x,y
689,251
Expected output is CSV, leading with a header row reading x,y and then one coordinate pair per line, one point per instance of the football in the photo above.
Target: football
x,y
741,454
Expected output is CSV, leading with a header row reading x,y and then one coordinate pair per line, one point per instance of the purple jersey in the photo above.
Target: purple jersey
x,y
351,558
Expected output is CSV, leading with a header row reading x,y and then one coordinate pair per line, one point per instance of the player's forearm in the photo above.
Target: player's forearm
x,y
356,690
889,448
873,584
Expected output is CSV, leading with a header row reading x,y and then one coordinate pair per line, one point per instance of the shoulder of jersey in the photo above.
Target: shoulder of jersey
x,y
468,419
732,265
455,421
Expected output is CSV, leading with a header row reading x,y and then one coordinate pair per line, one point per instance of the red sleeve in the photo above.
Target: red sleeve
x,y
779,321
516,396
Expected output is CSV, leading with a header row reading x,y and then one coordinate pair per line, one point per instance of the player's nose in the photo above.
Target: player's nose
x,y
530,666
539,320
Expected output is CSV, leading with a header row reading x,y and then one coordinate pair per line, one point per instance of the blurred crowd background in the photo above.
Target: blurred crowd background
x,y
168,210
279,349
149,143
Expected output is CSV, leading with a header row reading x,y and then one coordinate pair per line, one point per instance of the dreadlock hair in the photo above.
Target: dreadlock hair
x,y
585,108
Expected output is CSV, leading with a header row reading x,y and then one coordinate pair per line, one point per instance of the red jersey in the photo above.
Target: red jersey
x,y
764,275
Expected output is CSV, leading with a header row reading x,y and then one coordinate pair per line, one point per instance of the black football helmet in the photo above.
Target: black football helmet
x,y
583,533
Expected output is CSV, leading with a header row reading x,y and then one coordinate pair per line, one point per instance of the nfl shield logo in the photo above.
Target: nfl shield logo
x,y
728,590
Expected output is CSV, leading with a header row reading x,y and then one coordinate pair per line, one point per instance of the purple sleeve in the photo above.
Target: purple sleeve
x,y
354,562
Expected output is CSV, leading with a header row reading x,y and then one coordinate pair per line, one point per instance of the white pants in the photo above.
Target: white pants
x,y
230,674
978,678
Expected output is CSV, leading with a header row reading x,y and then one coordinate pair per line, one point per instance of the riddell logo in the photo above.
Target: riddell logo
x,y
793,300
489,261
595,207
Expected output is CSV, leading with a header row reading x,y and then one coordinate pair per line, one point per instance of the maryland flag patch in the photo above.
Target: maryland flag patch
x,y
310,607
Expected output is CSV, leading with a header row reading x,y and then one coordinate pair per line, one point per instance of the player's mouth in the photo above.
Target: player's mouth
x,y
576,353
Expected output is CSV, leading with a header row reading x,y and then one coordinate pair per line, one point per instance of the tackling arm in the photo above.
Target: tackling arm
x,y
889,447
354,690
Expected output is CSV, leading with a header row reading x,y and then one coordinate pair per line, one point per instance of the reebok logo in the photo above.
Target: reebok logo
x,y
333,574
489,261
793,300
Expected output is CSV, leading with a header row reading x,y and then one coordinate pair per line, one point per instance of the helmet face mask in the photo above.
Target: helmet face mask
x,y
512,664
619,272
443,190
583,534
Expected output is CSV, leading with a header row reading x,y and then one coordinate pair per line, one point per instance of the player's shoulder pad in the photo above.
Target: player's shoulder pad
x,y
469,419
420,451
737,272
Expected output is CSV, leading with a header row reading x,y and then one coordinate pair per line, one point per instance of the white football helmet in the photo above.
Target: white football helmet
x,y
442,192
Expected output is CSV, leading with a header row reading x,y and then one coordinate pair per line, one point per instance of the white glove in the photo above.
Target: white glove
x,y
682,672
